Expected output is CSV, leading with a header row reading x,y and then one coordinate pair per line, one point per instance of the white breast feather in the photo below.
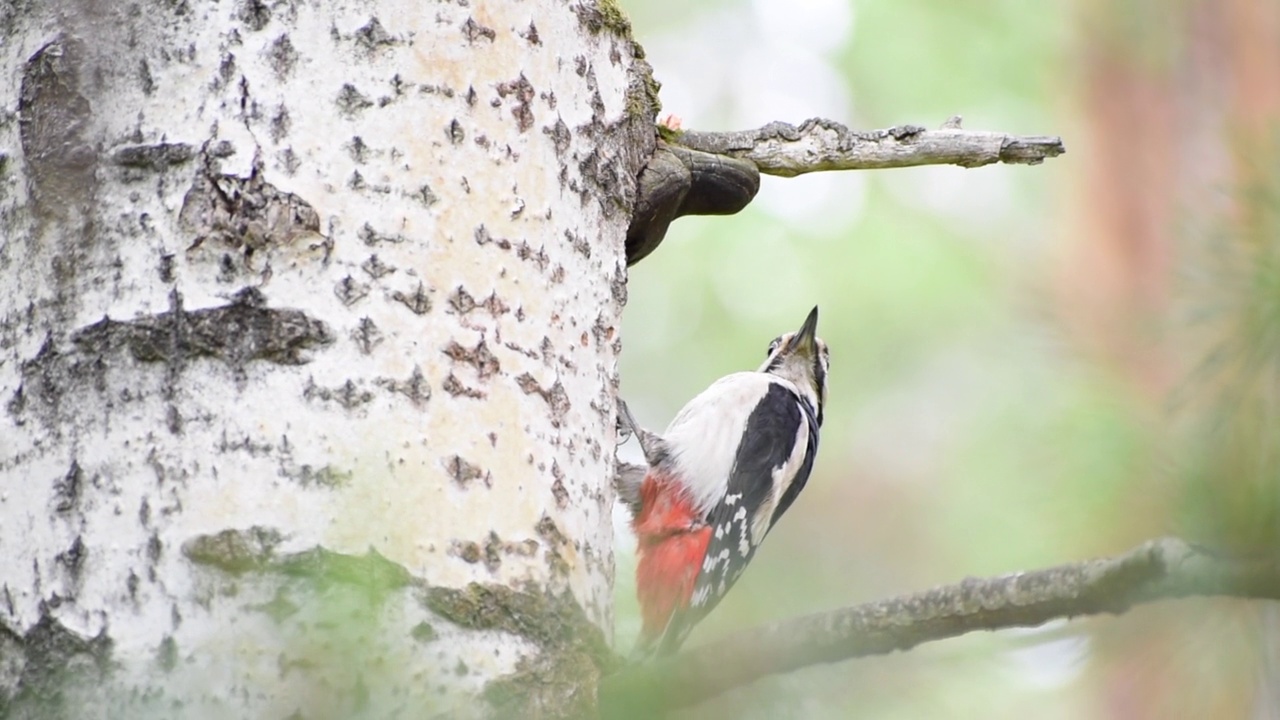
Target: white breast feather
x,y
704,436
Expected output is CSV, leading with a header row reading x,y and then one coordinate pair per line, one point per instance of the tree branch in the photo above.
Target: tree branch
x,y
1157,570
820,144
718,173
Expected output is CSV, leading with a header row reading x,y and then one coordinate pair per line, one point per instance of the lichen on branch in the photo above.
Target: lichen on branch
x,y
819,144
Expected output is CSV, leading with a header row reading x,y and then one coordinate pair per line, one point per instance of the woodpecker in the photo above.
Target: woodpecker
x,y
722,473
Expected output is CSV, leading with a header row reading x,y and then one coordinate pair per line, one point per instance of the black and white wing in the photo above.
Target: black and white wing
x,y
770,468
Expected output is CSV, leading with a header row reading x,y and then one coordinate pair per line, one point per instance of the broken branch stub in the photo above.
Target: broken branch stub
x,y
678,181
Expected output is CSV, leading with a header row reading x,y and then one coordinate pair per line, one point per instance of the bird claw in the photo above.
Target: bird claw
x,y
625,423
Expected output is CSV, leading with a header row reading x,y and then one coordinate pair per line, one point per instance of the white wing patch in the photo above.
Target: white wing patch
x,y
744,541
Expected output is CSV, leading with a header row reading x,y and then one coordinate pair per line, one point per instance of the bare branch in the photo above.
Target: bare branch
x,y
1157,570
820,144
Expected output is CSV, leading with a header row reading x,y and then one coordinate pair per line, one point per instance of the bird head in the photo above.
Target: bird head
x,y
802,358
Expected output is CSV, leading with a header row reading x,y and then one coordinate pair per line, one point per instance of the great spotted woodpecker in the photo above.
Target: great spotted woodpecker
x,y
729,465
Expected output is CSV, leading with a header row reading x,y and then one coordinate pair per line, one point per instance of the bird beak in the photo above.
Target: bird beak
x,y
803,341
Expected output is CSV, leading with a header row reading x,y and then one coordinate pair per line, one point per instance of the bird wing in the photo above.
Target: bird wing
x,y
779,435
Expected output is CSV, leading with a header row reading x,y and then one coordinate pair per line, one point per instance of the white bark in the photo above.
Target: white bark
x,y
308,313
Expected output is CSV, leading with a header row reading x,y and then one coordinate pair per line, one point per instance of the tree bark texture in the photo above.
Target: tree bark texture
x,y
308,341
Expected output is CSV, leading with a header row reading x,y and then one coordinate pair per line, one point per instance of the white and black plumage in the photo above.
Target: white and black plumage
x,y
727,467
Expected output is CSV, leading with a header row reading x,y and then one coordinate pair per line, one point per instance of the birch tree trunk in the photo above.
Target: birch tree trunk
x,y
308,339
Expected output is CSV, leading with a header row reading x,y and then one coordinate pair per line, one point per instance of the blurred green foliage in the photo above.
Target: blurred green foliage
x,y
970,431
1231,399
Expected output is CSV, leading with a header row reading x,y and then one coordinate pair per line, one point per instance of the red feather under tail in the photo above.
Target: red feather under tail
x,y
673,540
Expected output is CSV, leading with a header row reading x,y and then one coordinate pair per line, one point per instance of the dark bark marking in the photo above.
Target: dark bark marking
x,y
423,632
618,285
425,196
358,150
53,126
167,654
289,161
367,335
237,333
604,179
375,268
327,477
573,650
373,36
145,79
539,257
234,551
157,157
481,358
463,472
454,387
603,333
600,15
350,291
429,89
226,71
348,394
455,132
493,550
462,303
280,124
418,302
469,551
579,242
48,660
254,550
560,137
166,268
67,490
247,444
523,93
351,102
246,213
558,489
72,559
415,387
282,56
531,35
372,237
556,397
17,403
255,14
474,31
483,237
555,541
155,549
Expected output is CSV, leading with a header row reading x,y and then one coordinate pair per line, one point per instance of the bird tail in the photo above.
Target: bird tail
x,y
627,479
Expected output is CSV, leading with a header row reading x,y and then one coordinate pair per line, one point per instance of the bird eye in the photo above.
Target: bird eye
x,y
773,346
